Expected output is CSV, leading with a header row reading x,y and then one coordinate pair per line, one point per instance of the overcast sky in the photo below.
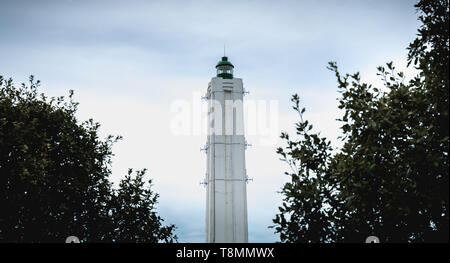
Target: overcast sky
x,y
129,61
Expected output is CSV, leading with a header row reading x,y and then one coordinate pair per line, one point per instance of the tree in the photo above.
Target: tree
x,y
54,174
390,179
309,195
134,212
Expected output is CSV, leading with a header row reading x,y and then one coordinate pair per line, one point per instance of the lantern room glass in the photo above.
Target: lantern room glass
x,y
225,69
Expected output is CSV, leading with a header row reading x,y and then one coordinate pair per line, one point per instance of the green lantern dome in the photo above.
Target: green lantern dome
x,y
225,68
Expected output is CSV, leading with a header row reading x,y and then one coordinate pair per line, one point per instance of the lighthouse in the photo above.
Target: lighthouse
x,y
226,177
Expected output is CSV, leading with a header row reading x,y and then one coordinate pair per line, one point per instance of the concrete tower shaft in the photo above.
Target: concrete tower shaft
x,y
226,177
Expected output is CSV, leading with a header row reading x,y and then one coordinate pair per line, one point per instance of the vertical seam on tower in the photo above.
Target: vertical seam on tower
x,y
232,169
214,185
224,130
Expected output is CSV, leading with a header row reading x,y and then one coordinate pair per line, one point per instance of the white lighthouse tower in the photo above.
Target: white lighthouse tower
x,y
226,177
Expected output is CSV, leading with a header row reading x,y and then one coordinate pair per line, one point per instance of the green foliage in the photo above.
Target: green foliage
x,y
135,218
54,176
308,192
390,179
